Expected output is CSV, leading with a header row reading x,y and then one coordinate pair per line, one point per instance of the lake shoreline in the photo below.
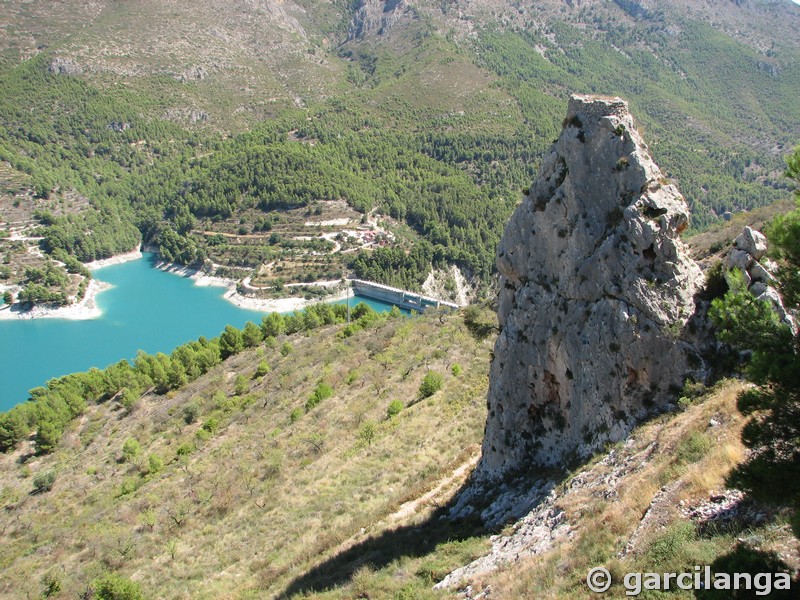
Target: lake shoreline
x,y
79,311
88,308
285,304
117,259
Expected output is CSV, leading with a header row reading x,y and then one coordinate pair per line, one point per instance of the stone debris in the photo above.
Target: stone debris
x,y
534,534
729,507
544,523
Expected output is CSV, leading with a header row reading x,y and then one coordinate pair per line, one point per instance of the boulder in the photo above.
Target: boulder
x,y
753,242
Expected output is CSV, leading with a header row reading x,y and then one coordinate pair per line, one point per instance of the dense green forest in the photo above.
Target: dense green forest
x,y
693,120
707,105
156,181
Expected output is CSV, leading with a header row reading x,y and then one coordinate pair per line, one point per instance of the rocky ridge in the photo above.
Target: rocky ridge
x,y
596,298
749,257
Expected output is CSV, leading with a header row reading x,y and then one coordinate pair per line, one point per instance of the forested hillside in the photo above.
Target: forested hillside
x,y
432,117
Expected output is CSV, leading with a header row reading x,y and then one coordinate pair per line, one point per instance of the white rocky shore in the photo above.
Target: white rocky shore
x,y
88,309
78,311
265,305
115,260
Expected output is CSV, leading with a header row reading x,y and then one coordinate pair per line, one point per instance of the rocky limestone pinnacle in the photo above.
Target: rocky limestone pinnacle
x,y
596,294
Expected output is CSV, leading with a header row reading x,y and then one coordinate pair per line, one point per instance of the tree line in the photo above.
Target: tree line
x,y
51,408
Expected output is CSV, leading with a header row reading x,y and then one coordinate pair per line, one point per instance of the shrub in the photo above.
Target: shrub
x,y
116,587
240,386
480,323
456,370
130,450
128,399
693,447
295,415
43,482
190,413
431,383
154,464
51,584
322,391
184,449
671,548
367,432
286,349
394,409
262,369
128,486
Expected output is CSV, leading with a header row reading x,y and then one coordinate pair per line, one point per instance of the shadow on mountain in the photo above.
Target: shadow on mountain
x,y
506,502
760,569
383,549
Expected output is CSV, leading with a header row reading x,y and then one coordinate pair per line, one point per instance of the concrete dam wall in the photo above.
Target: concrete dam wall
x,y
402,298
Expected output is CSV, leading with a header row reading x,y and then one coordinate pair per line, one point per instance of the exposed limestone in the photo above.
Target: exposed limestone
x,y
64,66
543,523
596,290
753,242
372,16
749,256
450,284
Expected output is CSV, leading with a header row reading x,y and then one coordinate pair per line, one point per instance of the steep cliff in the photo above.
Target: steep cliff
x,y
596,296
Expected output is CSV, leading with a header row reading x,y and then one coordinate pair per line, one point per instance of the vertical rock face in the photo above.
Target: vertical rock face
x,y
595,294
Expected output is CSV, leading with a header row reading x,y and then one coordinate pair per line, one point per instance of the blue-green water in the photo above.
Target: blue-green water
x,y
147,309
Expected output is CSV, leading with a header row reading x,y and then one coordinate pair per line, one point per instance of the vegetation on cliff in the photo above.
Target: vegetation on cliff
x,y
772,471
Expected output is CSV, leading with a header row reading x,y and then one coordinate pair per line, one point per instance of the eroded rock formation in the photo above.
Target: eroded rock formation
x,y
373,16
749,257
596,294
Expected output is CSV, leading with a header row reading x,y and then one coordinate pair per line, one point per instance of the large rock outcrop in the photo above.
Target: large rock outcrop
x,y
374,16
749,257
596,295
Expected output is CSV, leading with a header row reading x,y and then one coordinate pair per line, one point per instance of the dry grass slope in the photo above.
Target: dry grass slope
x,y
630,509
236,492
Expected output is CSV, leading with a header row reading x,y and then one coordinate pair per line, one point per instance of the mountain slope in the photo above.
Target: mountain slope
x,y
230,485
478,87
243,500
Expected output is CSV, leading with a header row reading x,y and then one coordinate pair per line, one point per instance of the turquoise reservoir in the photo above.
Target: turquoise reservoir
x,y
147,309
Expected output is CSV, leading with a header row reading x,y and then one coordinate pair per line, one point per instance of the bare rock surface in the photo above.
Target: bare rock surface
x,y
543,523
64,66
749,256
373,16
596,290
